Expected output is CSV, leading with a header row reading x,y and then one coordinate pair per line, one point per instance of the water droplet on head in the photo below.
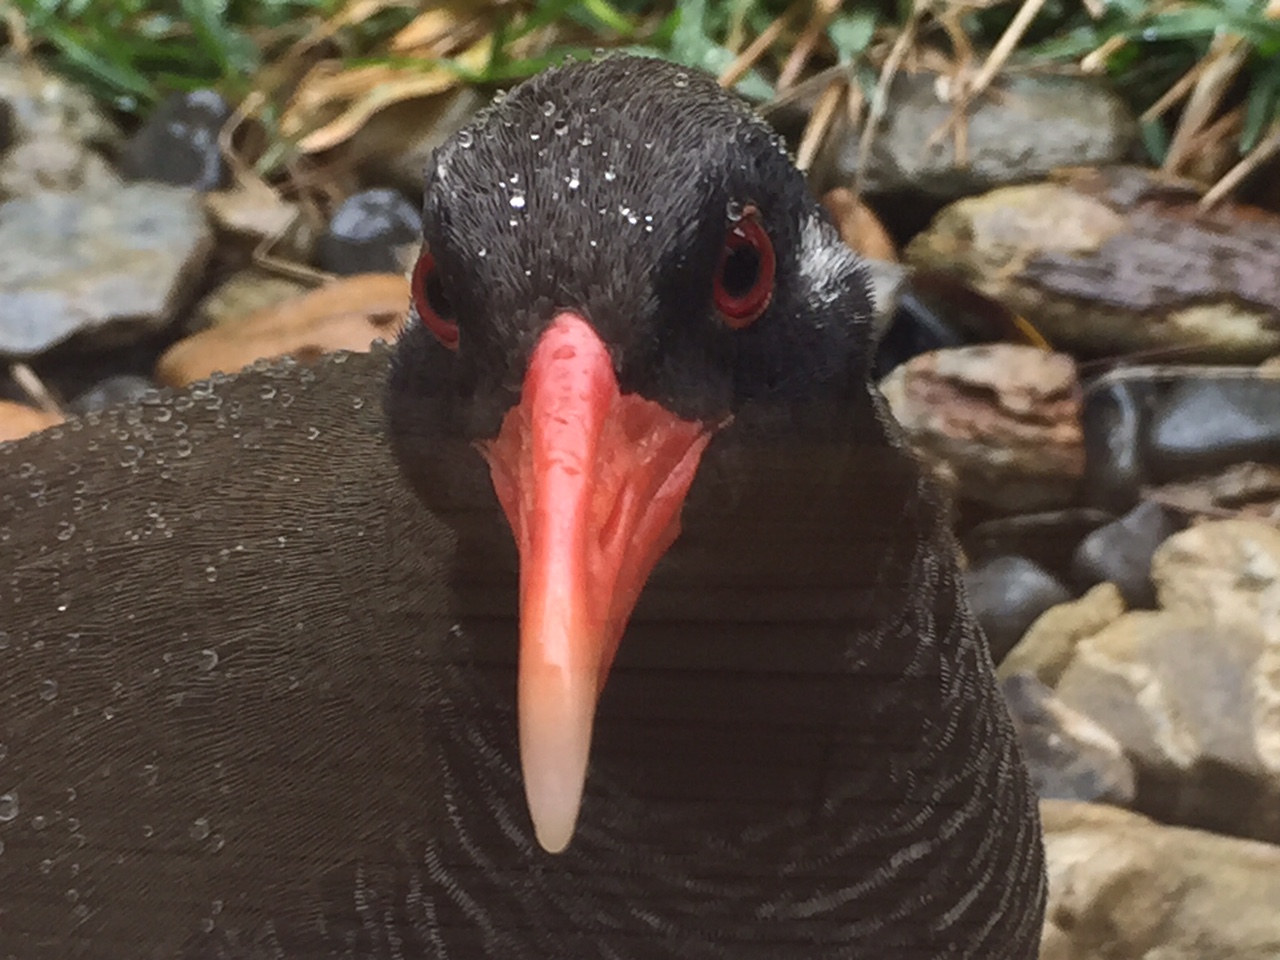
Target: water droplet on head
x,y
38,822
49,690
465,139
200,829
548,108
572,179
733,211
610,174
208,659
517,200
65,530
211,573
482,252
681,80
561,126
8,806
585,140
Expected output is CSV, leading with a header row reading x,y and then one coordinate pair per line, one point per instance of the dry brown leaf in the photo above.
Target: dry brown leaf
x,y
859,227
348,314
17,420
439,32
331,103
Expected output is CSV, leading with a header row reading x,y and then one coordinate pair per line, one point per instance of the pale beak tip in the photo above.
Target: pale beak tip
x,y
554,756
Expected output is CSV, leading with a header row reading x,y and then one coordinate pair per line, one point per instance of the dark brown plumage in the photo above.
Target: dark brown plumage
x,y
258,696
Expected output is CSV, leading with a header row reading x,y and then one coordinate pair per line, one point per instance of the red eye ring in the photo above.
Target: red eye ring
x,y
438,316
739,308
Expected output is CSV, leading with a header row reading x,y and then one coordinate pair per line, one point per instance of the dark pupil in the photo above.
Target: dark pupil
x,y
741,269
436,299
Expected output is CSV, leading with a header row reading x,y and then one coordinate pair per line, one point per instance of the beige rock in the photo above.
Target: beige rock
x,y
1176,691
1229,571
1048,646
1122,887
1005,416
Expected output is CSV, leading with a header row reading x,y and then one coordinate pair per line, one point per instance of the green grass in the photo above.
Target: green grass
x,y
130,53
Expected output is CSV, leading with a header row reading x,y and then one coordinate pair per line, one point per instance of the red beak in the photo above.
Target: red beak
x,y
592,483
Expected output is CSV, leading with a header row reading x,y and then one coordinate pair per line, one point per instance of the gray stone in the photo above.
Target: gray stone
x,y
1026,127
113,264
52,162
1007,594
1121,552
41,103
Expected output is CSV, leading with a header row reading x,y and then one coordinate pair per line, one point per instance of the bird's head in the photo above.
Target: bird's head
x,y
619,260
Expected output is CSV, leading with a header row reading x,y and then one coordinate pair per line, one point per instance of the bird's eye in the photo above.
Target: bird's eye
x,y
744,277
431,302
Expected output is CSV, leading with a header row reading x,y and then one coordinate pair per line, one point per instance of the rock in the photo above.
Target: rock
x,y
52,162
110,392
243,293
1122,887
1070,757
178,143
17,420
114,265
252,213
1246,490
1181,694
40,103
1047,646
859,227
1006,595
1205,424
933,310
1006,417
1114,261
348,314
1227,571
1121,553
1117,409
1028,126
1048,538
366,231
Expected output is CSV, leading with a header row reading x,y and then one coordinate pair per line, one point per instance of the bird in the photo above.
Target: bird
x,y
606,613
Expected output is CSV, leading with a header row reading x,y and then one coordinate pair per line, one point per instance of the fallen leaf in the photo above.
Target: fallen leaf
x,y
348,314
858,226
17,420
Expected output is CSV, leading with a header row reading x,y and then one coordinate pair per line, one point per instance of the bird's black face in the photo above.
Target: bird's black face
x,y
621,190
618,261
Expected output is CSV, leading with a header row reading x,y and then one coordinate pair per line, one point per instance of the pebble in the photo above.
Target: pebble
x,y
1121,553
178,143
1114,420
1006,595
1203,425
1047,538
366,231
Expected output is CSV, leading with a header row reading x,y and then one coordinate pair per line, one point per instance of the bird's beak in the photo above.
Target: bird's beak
x,y
592,483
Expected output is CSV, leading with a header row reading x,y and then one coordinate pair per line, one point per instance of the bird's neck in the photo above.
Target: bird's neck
x,y
797,700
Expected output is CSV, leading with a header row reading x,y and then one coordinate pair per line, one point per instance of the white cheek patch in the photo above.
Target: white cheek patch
x,y
825,261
